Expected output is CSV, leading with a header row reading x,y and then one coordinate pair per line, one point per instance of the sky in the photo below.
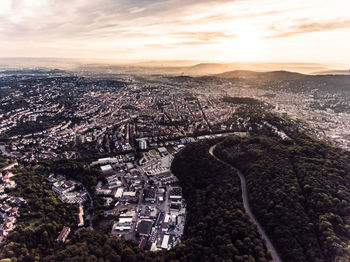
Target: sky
x,y
200,30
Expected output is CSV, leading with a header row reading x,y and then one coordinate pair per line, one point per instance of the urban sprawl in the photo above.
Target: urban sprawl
x,y
132,126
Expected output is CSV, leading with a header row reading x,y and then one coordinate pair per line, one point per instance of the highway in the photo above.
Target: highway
x,y
269,245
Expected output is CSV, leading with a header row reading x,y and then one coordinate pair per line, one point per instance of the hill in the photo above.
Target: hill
x,y
273,75
332,72
298,187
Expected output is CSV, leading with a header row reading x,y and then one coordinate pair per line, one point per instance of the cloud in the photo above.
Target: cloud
x,y
305,27
203,36
135,10
185,27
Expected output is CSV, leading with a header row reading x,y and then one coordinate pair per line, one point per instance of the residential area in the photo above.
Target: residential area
x,y
9,205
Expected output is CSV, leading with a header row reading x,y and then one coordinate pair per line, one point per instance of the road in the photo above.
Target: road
x,y
91,216
269,245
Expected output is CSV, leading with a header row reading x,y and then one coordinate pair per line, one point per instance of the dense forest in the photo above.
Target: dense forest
x,y
299,191
242,100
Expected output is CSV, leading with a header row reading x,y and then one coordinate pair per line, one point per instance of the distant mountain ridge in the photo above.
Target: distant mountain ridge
x,y
32,71
167,67
272,75
333,72
217,68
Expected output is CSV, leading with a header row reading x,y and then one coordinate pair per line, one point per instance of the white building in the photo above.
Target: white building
x,y
142,144
165,242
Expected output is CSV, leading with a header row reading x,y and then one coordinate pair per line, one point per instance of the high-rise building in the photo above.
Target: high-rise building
x,y
142,144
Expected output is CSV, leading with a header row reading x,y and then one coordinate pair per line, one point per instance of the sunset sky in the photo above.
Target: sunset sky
x,y
202,30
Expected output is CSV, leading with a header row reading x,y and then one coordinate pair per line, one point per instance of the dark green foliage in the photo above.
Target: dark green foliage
x,y
13,105
217,227
242,100
29,127
79,171
41,218
129,107
298,191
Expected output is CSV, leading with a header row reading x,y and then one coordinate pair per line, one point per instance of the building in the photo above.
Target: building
x,y
128,194
63,235
107,213
106,169
124,223
143,242
165,242
104,161
117,228
5,208
8,167
63,187
80,139
150,195
119,192
142,144
129,165
148,212
145,228
175,194
80,216
162,150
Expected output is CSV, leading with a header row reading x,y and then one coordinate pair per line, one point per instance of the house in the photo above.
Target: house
x,y
10,166
14,211
9,174
63,235
5,208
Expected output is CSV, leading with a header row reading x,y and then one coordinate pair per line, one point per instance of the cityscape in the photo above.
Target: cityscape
x,y
137,124
174,131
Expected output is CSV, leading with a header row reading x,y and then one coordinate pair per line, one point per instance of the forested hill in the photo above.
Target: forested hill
x,y
299,189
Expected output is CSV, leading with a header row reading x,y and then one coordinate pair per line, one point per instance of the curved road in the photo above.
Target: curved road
x,y
269,245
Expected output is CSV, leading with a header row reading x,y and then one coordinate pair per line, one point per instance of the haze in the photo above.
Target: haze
x,y
203,30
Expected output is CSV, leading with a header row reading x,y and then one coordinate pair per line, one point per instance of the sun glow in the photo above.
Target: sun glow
x,y
246,46
202,30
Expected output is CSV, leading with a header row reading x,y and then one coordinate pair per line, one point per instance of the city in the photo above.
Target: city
x,y
136,124
174,131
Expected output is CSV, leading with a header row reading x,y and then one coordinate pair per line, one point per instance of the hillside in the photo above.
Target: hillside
x,y
273,75
299,191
